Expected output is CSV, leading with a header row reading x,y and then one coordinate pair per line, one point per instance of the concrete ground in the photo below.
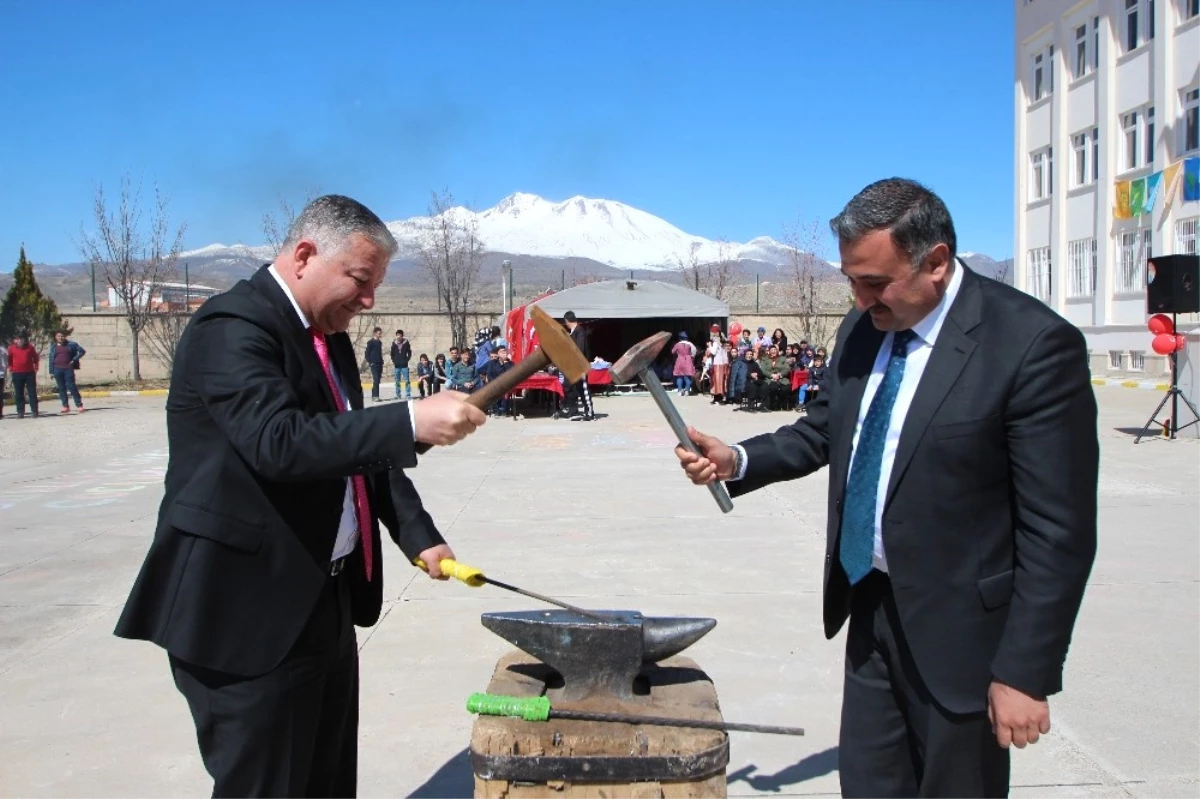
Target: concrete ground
x,y
598,514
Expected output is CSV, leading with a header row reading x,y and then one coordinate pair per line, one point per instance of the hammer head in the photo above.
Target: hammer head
x,y
638,357
558,346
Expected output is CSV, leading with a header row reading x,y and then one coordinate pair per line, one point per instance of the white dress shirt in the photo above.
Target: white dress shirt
x,y
347,534
919,349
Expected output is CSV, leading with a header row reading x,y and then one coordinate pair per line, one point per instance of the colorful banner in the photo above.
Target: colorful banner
x,y
1121,209
1137,197
1152,184
1191,180
1170,184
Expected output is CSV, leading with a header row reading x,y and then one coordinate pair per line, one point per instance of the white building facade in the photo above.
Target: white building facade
x,y
1106,91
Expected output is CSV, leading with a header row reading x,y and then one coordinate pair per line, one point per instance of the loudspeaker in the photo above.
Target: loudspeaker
x,y
1171,284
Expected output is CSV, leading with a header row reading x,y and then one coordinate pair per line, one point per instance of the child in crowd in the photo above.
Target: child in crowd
x,y
463,375
498,363
441,375
425,381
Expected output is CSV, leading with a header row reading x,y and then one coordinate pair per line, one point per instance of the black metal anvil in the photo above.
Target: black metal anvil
x,y
600,654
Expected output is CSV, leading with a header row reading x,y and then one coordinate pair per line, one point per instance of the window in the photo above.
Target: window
x,y
1079,151
1191,120
1149,136
1049,171
1129,125
1149,20
1085,157
1040,167
1131,25
1081,268
1115,359
1037,77
1081,59
1185,236
1095,42
1191,9
1137,360
1147,244
1130,262
1037,276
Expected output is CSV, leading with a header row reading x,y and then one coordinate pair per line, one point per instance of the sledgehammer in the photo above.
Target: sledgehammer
x,y
556,347
637,361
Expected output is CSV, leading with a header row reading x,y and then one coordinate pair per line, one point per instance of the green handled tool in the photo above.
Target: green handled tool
x,y
537,708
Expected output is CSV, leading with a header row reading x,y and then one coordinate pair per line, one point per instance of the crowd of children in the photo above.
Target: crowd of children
x,y
757,372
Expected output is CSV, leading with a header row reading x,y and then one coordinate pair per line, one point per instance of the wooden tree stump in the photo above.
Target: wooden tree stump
x,y
517,759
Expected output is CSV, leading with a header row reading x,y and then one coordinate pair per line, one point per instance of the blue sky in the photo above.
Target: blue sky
x,y
724,118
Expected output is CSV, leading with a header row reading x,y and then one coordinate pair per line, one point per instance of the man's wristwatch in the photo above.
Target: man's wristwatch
x,y
738,461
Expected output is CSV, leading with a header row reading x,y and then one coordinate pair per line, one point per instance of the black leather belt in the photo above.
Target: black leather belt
x,y
336,566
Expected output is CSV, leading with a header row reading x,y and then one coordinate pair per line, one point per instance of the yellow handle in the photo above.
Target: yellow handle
x,y
459,571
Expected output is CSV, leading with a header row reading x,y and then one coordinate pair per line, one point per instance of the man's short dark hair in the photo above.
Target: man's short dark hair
x,y
569,316
399,332
916,217
377,330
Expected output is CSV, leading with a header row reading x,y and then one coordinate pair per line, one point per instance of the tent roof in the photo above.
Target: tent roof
x,y
613,299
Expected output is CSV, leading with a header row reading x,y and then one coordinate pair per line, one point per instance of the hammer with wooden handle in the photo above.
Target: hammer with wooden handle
x,y
556,346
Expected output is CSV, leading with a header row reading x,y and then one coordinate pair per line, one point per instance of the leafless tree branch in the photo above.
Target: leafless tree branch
x,y
452,253
134,260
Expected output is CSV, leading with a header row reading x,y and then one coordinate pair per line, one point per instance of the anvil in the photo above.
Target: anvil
x,y
599,655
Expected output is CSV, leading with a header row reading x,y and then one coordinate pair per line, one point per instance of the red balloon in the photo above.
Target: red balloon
x,y
735,330
1180,342
1160,323
1163,344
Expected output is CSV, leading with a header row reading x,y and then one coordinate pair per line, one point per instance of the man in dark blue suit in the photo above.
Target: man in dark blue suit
x,y
959,426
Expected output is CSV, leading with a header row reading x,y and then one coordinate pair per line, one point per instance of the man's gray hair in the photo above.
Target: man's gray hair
x,y
332,219
916,217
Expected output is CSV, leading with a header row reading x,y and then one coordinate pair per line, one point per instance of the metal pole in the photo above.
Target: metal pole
x,y
506,286
187,288
720,494
757,293
1174,421
564,278
93,287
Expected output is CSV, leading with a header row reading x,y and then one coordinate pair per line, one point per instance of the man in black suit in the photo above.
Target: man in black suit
x,y
959,426
267,548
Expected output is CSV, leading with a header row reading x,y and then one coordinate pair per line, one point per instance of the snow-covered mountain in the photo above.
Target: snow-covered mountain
x,y
605,231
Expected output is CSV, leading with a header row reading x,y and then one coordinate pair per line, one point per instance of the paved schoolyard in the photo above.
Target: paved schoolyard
x,y
600,515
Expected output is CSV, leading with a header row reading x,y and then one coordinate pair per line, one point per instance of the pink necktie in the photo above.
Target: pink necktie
x,y
361,505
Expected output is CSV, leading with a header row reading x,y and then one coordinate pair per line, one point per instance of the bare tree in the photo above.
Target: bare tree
x,y
452,253
275,227
163,332
715,277
135,256
803,268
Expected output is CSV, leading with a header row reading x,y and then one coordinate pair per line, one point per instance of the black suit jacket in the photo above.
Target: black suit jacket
x,y
255,486
989,525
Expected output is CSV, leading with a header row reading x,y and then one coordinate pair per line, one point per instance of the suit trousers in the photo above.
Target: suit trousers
x,y
376,376
895,739
294,730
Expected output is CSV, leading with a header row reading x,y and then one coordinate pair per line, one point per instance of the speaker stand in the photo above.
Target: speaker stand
x,y
1172,426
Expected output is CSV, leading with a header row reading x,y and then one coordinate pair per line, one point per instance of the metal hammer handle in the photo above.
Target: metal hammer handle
x,y
494,390
677,424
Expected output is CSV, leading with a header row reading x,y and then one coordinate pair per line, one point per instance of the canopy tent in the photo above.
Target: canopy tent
x,y
619,313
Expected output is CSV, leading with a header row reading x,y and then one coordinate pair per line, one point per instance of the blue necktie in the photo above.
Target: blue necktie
x,y
862,488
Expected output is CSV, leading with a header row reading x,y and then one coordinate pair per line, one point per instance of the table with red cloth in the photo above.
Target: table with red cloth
x,y
541,380
599,377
